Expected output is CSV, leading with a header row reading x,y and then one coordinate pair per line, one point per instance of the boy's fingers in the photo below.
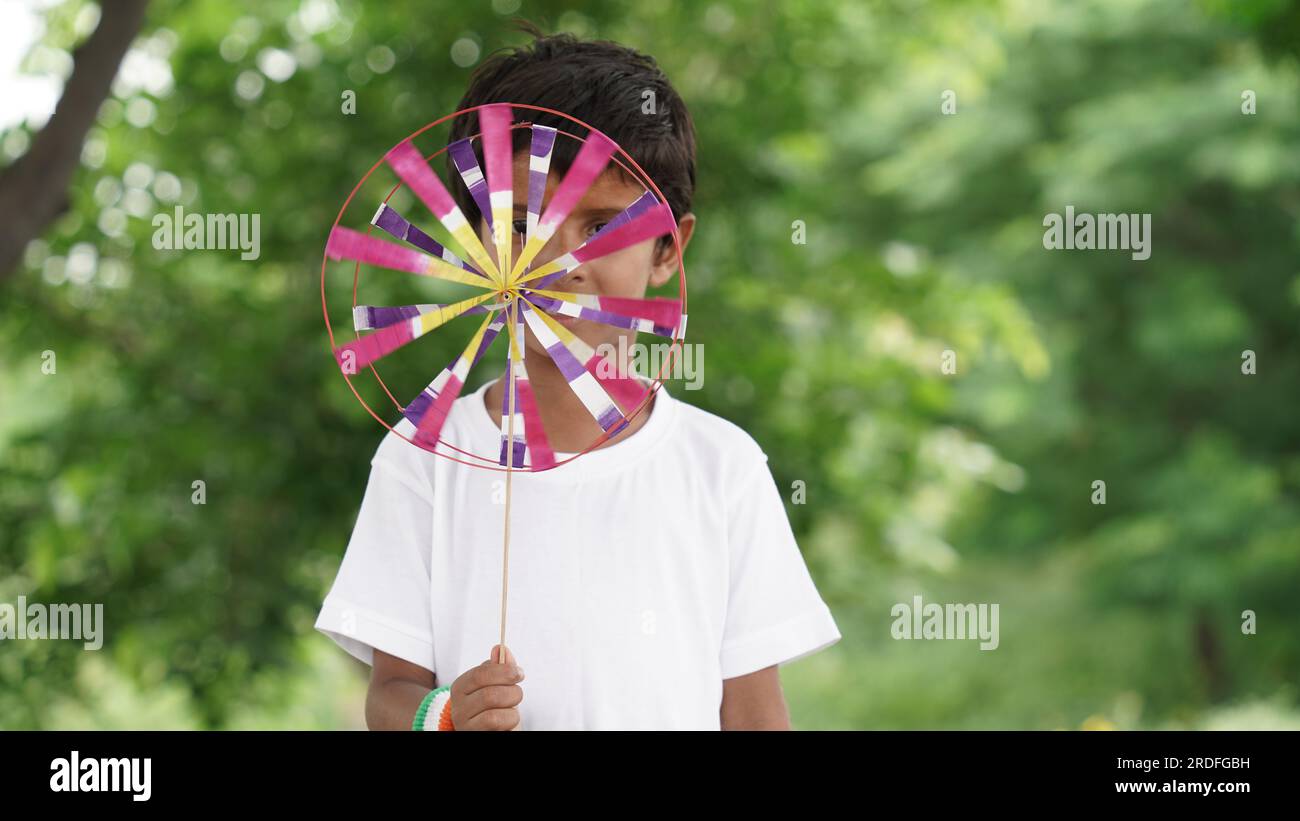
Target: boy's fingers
x,y
503,719
490,674
487,699
510,663
495,656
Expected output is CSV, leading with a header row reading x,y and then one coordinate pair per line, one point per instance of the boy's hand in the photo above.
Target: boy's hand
x,y
485,697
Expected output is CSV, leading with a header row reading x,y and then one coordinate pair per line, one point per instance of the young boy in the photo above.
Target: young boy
x,y
654,582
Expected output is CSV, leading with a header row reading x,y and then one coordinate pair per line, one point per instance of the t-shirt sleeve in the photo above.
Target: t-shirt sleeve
x,y
774,613
380,597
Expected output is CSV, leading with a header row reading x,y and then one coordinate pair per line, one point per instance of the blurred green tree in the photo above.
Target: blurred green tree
x,y
923,240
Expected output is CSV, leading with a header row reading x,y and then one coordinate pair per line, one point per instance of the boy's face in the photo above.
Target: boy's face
x,y
625,273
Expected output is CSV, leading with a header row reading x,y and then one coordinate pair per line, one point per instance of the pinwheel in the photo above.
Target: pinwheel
x,y
503,291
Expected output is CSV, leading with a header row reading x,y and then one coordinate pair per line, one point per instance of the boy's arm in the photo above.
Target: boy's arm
x,y
485,697
754,702
396,689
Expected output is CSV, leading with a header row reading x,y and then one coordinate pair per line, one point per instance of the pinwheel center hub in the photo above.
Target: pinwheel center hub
x,y
505,297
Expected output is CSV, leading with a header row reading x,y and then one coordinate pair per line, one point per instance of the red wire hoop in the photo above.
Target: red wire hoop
x,y
492,464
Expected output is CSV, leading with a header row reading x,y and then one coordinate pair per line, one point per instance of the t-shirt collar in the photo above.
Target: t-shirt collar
x,y
486,434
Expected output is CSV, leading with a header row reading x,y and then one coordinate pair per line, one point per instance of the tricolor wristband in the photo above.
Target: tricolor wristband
x,y
435,711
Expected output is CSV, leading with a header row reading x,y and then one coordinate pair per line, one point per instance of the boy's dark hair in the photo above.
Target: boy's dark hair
x,y
599,82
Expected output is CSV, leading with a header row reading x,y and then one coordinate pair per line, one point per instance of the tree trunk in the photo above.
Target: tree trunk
x,y
34,190
1210,657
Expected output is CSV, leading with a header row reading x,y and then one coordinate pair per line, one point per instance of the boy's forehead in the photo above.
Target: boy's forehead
x,y
611,190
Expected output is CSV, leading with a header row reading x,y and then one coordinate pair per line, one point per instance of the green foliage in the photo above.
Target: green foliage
x,y
924,234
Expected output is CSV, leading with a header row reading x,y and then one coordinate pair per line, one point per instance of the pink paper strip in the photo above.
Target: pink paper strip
x,y
659,310
625,390
410,166
638,207
408,163
373,347
344,243
587,166
655,222
495,120
388,339
662,312
539,446
415,410
430,427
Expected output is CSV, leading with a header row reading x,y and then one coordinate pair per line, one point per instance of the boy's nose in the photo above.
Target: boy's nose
x,y
572,282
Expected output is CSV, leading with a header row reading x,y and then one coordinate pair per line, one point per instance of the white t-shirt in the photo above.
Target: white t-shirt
x,y
642,574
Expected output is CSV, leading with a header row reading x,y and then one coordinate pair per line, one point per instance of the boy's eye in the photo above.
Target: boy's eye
x,y
520,226
594,229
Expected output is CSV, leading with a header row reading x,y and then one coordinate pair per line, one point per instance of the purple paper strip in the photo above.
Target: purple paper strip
x,y
423,241
416,409
566,361
420,404
518,460
543,141
381,316
642,204
542,144
394,223
605,317
398,227
462,154
610,418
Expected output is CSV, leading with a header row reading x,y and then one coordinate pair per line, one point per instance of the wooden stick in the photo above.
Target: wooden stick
x,y
510,463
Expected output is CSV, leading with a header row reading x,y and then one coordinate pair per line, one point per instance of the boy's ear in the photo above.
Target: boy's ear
x,y
665,262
